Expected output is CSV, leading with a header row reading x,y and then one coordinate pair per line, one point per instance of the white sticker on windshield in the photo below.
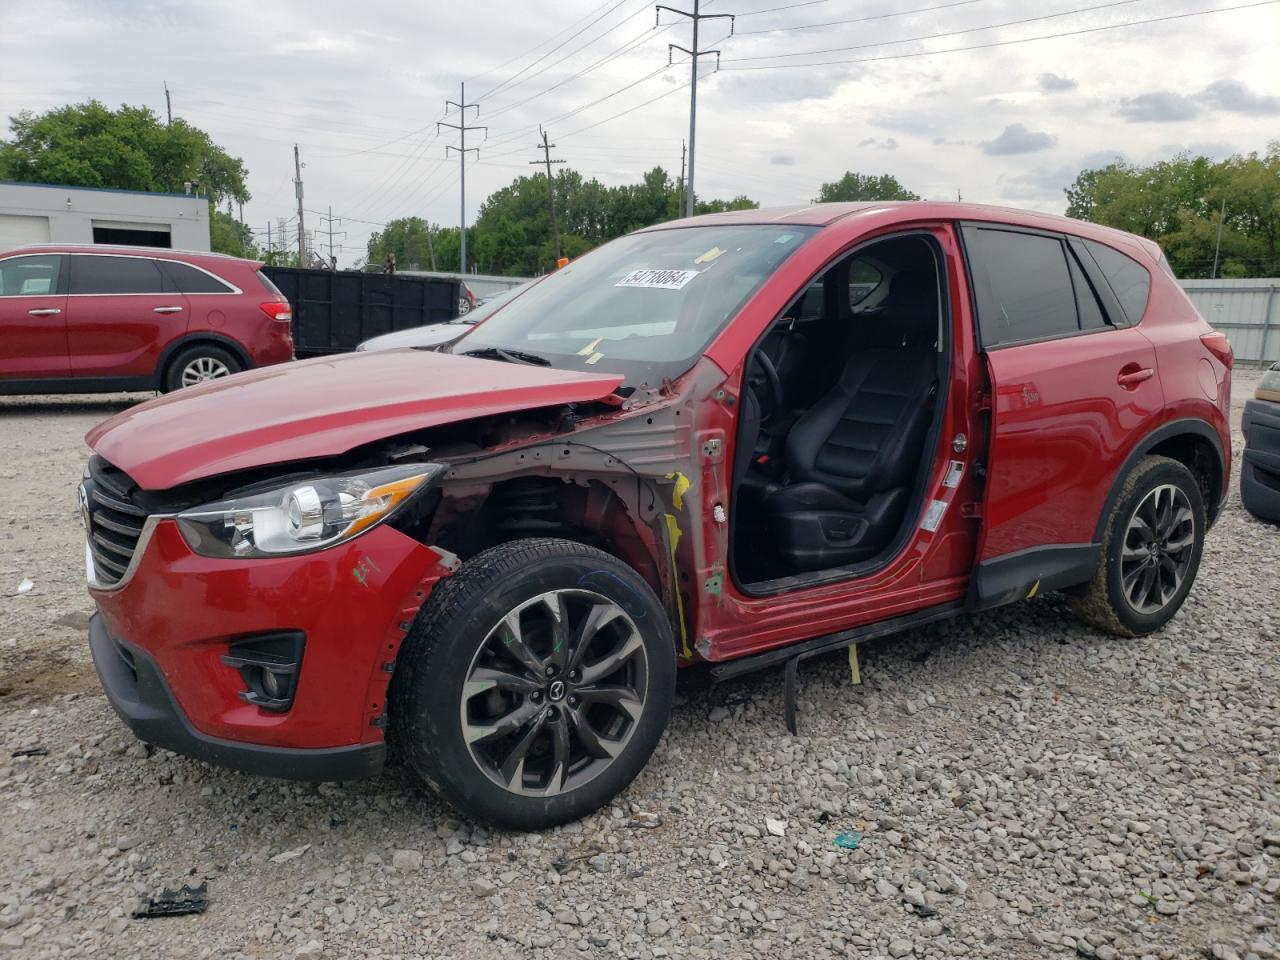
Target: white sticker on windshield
x,y
657,279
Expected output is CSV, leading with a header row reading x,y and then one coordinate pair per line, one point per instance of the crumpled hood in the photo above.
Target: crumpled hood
x,y
320,408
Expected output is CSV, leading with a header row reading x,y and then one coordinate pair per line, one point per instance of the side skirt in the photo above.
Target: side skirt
x,y
1021,575
792,655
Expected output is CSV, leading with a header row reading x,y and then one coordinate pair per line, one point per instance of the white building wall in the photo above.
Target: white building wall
x,y
31,212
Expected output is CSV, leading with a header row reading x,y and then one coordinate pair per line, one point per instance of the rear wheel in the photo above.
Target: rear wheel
x,y
199,364
1151,552
535,683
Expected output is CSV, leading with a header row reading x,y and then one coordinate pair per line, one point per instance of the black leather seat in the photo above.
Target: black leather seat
x,y
851,459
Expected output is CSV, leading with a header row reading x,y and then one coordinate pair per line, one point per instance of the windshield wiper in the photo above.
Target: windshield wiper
x,y
510,356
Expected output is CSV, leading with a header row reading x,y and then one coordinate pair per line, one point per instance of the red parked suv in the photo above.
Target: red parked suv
x,y
98,319
740,439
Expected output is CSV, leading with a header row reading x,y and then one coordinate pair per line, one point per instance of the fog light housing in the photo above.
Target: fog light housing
x,y
269,665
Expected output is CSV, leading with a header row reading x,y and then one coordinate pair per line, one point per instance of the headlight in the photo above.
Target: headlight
x,y
306,515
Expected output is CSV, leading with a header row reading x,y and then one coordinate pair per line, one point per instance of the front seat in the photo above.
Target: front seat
x,y
852,457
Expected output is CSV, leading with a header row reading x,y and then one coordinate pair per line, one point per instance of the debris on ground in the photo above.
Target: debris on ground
x,y
26,586
293,854
30,752
176,903
848,840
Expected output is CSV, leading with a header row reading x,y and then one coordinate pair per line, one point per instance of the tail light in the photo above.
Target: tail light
x,y
470,296
278,310
1218,344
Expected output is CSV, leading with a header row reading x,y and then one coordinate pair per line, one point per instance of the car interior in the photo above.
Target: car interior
x,y
837,418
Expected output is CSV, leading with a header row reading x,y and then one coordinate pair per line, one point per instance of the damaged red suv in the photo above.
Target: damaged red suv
x,y
741,439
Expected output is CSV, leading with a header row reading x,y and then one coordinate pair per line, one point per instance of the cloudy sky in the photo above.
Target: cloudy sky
x,y
944,94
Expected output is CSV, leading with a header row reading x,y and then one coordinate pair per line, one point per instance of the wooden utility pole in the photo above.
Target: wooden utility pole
x,y
680,182
168,104
297,188
546,149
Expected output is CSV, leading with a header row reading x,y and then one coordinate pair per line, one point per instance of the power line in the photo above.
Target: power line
x,y
1008,43
939,36
866,19
512,79
536,46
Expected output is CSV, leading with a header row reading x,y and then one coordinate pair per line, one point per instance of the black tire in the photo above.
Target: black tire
x,y
201,354
1106,602
457,632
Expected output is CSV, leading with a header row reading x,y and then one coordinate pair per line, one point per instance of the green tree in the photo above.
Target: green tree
x,y
1178,203
229,235
90,145
406,237
512,233
864,186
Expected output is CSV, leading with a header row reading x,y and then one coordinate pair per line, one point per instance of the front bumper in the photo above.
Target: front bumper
x,y
138,692
176,614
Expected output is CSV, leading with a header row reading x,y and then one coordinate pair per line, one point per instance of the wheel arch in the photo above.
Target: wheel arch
x,y
1193,443
193,340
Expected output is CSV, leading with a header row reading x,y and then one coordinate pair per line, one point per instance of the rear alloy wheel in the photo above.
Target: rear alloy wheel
x,y
535,683
1151,551
199,364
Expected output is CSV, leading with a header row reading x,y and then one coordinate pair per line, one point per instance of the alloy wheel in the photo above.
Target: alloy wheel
x,y
1159,544
554,693
203,369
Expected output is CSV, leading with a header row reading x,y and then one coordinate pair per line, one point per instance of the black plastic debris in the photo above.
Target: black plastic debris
x,y
31,752
176,903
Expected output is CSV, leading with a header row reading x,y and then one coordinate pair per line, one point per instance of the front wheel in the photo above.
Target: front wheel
x,y
1151,551
535,683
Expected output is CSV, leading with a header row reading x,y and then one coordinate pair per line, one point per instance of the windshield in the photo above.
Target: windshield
x,y
644,306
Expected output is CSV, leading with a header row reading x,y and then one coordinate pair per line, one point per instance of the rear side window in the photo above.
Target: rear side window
x,y
271,287
94,274
1022,285
30,276
1129,279
184,278
1091,315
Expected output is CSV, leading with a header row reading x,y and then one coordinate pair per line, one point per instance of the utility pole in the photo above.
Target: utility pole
x,y
431,247
240,217
331,219
697,17
270,246
680,182
551,185
1217,248
297,188
168,104
462,129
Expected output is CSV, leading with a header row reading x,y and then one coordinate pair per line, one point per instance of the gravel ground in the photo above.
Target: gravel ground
x,y
1024,787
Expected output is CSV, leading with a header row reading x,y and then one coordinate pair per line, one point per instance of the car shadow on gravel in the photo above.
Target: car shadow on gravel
x,y
75,405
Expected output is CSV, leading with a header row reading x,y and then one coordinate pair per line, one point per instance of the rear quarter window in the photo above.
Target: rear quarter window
x,y
184,278
1129,280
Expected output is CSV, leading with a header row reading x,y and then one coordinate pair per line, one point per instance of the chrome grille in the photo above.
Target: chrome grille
x,y
113,519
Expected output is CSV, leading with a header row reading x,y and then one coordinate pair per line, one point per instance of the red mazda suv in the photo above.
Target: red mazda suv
x,y
738,440
97,319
